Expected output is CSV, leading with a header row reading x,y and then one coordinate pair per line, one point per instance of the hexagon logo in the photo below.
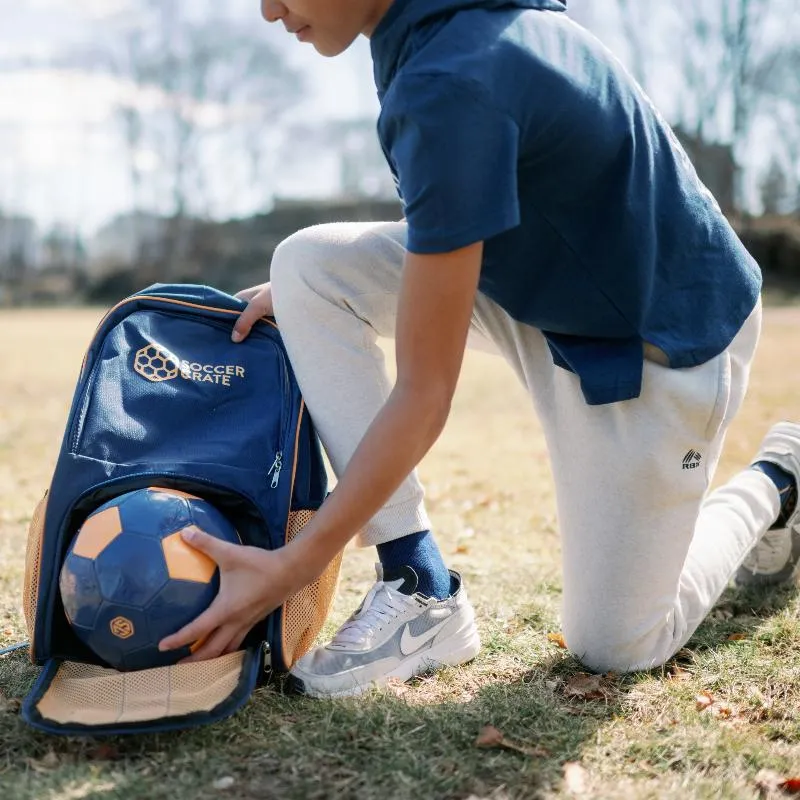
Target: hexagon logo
x,y
122,627
155,364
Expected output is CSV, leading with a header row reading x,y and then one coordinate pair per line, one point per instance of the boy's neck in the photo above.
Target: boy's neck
x,y
378,12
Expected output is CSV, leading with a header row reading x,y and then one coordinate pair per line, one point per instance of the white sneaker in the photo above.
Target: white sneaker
x,y
395,633
776,557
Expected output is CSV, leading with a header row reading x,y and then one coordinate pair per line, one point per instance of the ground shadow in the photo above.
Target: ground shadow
x,y
389,746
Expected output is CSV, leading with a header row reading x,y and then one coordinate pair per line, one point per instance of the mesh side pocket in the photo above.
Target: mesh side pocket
x,y
304,613
87,694
33,562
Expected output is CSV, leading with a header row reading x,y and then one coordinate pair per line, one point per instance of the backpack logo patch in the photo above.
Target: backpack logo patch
x,y
156,364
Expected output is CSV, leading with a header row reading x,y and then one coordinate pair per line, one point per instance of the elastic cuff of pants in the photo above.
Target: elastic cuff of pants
x,y
394,522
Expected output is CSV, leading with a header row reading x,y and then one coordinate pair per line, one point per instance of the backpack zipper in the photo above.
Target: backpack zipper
x,y
275,469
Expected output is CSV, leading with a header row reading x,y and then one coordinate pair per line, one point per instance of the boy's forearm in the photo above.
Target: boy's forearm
x,y
400,435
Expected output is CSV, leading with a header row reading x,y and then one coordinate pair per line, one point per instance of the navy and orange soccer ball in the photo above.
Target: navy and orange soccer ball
x,y
129,579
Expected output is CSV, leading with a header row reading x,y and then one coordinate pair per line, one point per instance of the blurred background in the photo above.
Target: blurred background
x,y
145,140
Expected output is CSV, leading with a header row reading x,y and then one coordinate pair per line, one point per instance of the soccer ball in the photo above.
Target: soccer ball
x,y
129,579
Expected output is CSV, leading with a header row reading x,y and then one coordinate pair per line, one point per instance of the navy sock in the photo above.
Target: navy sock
x,y
420,552
787,489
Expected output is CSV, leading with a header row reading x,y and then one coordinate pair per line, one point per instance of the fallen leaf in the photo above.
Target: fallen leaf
x,y
557,639
588,687
723,710
8,631
491,737
703,701
461,550
791,785
223,783
576,778
104,752
737,637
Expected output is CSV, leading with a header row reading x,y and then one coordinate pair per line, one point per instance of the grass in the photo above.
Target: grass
x,y
491,497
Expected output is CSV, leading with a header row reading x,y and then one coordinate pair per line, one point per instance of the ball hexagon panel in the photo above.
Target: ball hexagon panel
x,y
184,563
211,520
80,591
99,530
175,492
118,630
150,657
177,604
131,570
154,513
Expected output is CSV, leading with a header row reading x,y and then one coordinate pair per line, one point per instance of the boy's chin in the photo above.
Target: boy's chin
x,y
329,49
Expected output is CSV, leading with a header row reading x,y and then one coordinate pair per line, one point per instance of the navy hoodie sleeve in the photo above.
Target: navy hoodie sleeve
x,y
454,156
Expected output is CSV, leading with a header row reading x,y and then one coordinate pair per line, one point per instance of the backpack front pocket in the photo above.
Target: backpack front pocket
x,y
165,388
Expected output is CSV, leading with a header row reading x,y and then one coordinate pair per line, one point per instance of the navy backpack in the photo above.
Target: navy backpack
x,y
164,398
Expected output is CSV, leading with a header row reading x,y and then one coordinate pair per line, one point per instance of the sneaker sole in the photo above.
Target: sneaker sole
x,y
441,655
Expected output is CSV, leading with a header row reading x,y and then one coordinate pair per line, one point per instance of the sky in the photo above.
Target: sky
x,y
62,158
60,149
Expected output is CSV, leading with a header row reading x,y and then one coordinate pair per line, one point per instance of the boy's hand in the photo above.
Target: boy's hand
x,y
259,304
253,582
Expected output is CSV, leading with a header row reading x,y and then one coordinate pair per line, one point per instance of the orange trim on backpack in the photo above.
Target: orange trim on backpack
x,y
289,515
266,320
294,467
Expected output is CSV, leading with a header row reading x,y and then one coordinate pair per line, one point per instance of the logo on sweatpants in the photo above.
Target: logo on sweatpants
x,y
692,460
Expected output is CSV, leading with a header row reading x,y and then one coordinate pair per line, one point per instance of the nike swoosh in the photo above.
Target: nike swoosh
x,y
410,644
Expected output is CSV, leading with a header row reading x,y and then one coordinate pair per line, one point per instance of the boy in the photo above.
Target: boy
x,y
550,212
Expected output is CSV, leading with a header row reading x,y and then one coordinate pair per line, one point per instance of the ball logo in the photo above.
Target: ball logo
x,y
122,627
157,364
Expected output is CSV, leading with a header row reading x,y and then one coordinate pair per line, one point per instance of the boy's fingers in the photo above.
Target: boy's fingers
x,y
246,320
214,646
217,550
195,631
236,642
248,294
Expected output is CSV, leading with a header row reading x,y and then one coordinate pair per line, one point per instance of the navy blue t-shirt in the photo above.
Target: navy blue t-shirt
x,y
506,122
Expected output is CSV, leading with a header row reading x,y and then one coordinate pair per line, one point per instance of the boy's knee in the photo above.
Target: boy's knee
x,y
614,648
301,260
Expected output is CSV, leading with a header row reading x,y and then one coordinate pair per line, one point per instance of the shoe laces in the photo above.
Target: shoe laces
x,y
381,605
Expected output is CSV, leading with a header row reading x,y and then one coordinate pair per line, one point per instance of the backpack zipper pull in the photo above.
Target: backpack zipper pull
x,y
275,469
266,651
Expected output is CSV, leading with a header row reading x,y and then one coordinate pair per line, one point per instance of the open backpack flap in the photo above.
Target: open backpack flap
x,y
165,399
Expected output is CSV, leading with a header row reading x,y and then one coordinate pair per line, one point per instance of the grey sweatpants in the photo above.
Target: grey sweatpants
x,y
646,550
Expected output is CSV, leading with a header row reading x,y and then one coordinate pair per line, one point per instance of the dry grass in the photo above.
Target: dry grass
x,y
491,497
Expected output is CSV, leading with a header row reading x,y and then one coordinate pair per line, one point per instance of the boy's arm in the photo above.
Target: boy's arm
x,y
435,307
